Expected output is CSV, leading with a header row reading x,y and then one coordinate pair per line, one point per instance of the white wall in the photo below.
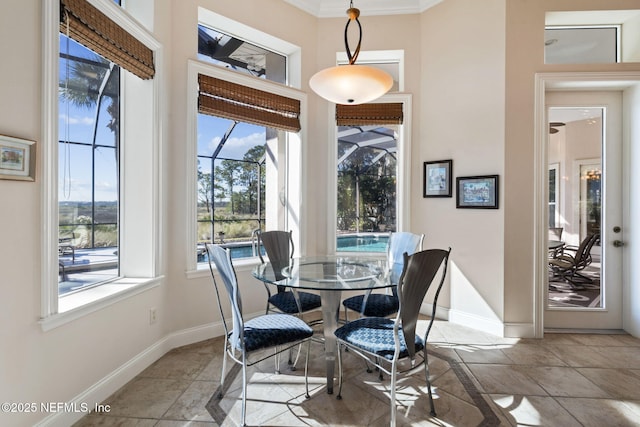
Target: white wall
x,y
462,118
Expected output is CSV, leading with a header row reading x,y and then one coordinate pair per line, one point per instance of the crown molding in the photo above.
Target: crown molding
x,y
338,8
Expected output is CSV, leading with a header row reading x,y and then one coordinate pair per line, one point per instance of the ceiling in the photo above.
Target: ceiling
x,y
338,8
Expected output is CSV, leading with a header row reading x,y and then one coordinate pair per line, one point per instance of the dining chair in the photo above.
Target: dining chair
x,y
393,345
279,248
278,331
386,304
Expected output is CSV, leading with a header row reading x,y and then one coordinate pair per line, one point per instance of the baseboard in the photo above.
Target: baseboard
x,y
483,324
519,330
105,387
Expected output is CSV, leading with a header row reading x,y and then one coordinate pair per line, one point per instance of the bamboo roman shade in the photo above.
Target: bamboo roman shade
x,y
369,114
94,30
221,98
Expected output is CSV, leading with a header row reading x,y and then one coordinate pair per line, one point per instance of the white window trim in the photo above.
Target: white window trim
x,y
133,279
403,163
294,194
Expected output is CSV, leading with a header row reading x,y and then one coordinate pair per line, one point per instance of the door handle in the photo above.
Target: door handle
x,y
618,243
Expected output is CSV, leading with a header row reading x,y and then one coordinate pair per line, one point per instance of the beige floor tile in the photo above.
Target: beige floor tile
x,y
95,420
581,356
482,354
532,354
505,379
602,412
619,383
178,365
621,357
561,381
146,397
533,411
173,423
191,404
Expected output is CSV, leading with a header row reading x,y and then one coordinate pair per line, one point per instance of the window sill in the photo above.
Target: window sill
x,y
79,304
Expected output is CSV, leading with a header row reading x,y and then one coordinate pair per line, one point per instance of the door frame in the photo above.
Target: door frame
x,y
601,81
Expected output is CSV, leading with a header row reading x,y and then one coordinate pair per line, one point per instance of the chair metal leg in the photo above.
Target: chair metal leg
x,y
392,423
426,373
339,396
276,358
224,369
306,369
244,390
295,362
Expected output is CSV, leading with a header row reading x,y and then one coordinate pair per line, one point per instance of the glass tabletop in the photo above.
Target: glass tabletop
x,y
338,272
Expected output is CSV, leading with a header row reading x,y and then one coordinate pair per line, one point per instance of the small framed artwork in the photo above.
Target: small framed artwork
x,y
478,192
17,159
437,178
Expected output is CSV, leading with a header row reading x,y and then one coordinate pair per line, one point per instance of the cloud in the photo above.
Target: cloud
x,y
87,121
236,147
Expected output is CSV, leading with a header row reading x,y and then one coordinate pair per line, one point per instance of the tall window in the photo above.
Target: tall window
x,y
246,137
96,97
88,173
243,150
367,184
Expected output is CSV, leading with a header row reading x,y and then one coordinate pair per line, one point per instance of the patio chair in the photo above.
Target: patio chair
x,y
567,266
555,235
392,345
278,331
383,305
279,248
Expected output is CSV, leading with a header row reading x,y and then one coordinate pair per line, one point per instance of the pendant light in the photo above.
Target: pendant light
x,y
351,84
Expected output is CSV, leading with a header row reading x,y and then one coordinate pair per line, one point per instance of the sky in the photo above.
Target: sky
x,y
77,124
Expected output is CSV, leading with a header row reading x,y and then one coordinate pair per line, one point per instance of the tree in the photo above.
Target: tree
x,y
204,188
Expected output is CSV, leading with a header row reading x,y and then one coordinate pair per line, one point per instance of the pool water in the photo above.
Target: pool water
x,y
362,243
355,243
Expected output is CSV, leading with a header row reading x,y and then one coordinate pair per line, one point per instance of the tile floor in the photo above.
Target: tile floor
x,y
478,379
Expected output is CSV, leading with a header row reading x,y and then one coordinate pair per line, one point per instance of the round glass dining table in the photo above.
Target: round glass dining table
x,y
329,276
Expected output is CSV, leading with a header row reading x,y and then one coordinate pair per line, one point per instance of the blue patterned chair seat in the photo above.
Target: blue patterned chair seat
x,y
375,335
378,305
274,329
285,301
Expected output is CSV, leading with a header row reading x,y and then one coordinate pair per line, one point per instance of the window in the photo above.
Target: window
x,y
88,172
367,175
245,138
371,167
96,246
224,50
581,45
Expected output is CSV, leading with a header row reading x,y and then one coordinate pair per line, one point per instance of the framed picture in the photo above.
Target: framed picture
x,y
17,159
479,192
437,178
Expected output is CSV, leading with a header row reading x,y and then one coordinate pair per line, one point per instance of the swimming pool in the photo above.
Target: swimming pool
x,y
362,243
346,243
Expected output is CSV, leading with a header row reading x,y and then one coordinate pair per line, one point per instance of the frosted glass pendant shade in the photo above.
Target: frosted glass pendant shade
x,y
351,84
